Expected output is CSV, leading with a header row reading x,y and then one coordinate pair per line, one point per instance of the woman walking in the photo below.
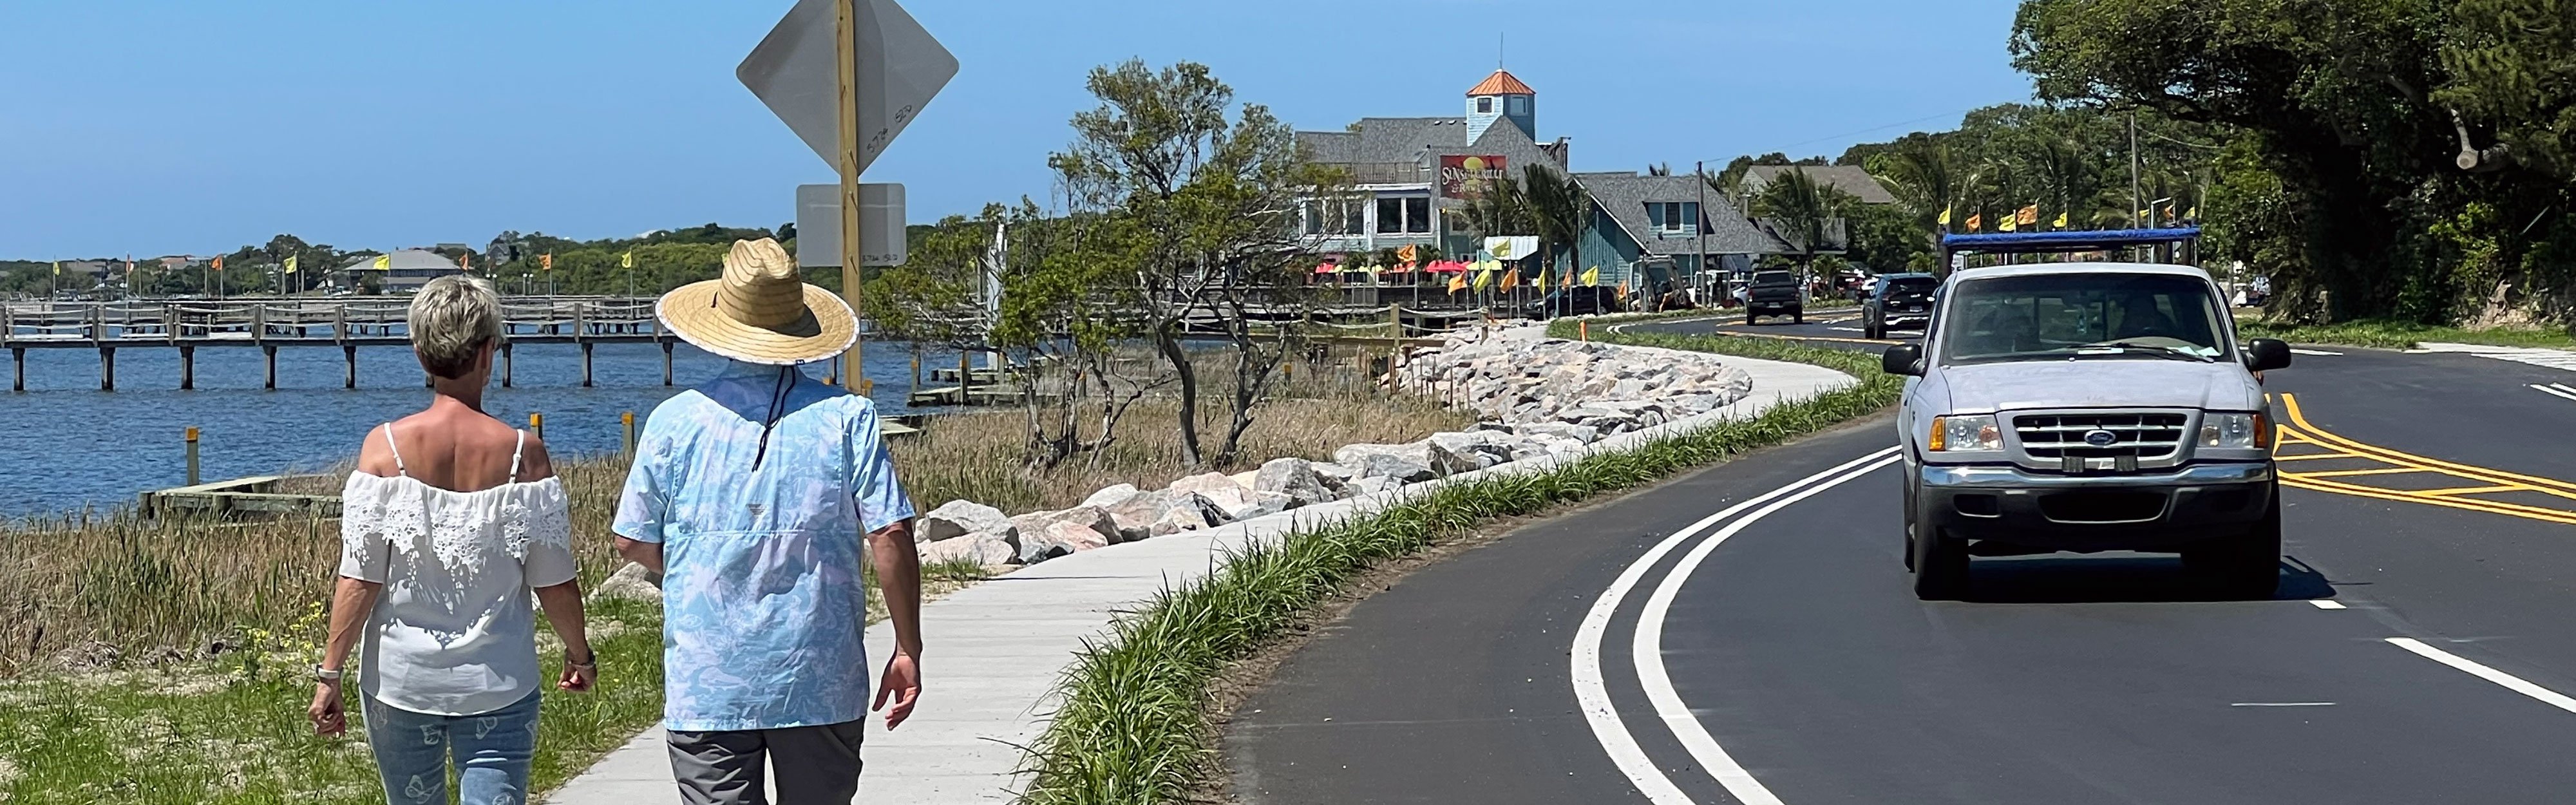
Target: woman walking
x,y
450,520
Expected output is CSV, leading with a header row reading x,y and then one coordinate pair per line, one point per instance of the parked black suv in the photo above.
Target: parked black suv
x,y
1774,293
1899,302
1580,300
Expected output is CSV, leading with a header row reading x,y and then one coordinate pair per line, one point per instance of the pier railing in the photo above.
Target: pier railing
x,y
67,324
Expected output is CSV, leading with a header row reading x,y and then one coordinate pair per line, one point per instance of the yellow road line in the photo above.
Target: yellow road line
x,y
2470,490
2545,515
2494,476
2309,456
2342,473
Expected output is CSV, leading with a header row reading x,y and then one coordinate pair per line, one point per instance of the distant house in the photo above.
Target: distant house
x,y
1410,175
1636,216
407,270
1847,178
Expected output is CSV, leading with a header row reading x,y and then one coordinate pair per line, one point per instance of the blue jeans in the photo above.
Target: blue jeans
x,y
491,752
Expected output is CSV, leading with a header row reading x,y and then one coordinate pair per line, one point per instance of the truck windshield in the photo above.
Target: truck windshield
x,y
1773,278
2082,315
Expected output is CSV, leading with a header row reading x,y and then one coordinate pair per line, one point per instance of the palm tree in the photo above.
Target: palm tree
x,y
1560,207
1802,211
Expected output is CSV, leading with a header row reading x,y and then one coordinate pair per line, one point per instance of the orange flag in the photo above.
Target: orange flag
x,y
2028,216
1405,254
1974,220
1457,282
1511,278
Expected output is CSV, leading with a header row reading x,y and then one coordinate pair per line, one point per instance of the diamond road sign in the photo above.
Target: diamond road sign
x,y
818,221
794,72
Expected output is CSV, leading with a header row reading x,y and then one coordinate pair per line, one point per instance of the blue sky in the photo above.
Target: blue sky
x,y
161,127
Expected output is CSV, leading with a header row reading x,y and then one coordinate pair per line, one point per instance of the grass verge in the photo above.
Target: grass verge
x,y
2385,334
1132,726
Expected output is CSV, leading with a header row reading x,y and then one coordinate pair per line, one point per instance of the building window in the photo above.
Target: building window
x,y
1673,216
1407,215
1520,105
1484,106
1354,216
1312,210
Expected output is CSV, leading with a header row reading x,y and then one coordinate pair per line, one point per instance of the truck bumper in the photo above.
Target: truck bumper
x,y
2146,512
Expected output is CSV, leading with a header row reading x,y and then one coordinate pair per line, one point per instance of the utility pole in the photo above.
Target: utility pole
x,y
2133,169
846,42
1699,232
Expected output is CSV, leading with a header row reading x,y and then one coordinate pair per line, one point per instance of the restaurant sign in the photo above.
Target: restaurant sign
x,y
1462,176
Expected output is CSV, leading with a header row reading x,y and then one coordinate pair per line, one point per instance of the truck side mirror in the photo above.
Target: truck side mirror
x,y
2265,354
1904,359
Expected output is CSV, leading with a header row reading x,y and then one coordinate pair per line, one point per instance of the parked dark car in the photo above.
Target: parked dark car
x,y
1898,302
1774,293
1580,300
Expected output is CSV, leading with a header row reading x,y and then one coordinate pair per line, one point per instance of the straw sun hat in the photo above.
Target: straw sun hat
x,y
759,311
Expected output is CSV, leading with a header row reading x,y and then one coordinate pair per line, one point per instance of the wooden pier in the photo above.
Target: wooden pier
x,y
269,324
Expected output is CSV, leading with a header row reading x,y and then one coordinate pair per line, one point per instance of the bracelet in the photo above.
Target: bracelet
x,y
592,665
321,674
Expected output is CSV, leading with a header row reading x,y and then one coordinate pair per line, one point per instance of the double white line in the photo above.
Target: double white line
x,y
2556,390
1593,695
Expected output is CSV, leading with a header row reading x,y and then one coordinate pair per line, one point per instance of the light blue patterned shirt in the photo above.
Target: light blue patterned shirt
x,y
762,599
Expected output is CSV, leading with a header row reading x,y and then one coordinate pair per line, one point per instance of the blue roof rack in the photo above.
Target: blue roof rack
x,y
2172,242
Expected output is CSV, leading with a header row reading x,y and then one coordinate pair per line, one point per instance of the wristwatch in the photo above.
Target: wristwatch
x,y
321,674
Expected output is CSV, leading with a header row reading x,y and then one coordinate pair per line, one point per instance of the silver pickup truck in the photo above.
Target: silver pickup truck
x,y
2087,407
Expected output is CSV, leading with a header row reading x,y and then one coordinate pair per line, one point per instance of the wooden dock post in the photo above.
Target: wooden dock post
x,y
349,352
666,363
192,455
107,368
270,351
505,364
187,367
629,419
965,379
18,358
537,424
585,364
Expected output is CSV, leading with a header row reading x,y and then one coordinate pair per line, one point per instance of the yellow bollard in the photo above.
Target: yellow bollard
x,y
1583,330
192,455
629,419
537,424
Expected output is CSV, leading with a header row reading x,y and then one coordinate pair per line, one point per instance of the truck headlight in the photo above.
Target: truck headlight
x,y
2235,430
1961,433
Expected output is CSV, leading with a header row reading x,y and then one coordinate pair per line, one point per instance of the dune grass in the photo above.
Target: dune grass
x,y
2387,334
1132,727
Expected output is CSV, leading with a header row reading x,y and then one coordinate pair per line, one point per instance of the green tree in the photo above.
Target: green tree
x,y
1562,209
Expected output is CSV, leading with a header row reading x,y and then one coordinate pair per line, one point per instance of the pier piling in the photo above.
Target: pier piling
x,y
107,368
187,367
192,455
269,354
666,363
350,351
505,364
585,364
18,358
537,424
629,419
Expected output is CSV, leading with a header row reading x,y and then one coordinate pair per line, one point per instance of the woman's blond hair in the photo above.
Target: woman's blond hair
x,y
451,320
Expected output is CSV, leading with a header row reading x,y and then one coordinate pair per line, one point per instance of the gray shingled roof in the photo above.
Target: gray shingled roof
x,y
1847,178
1624,196
1385,139
1329,147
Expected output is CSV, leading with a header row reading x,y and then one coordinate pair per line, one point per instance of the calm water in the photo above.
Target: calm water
x,y
65,444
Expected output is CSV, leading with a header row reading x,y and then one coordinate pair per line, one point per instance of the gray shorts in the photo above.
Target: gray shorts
x,y
812,764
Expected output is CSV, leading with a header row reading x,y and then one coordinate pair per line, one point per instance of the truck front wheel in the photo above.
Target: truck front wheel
x,y
1940,564
2247,566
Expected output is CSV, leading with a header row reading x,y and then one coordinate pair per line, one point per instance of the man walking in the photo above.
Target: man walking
x,y
749,494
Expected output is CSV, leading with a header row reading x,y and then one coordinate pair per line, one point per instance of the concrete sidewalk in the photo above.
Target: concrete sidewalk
x,y
994,651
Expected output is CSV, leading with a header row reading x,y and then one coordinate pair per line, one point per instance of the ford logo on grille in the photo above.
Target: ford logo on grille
x,y
2100,438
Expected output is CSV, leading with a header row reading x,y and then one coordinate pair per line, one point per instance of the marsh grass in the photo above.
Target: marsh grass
x,y
1132,727
1314,407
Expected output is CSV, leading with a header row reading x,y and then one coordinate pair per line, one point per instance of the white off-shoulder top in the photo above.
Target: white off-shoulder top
x,y
453,632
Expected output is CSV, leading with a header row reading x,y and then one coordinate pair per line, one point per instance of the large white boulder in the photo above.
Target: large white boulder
x,y
1296,478
958,518
982,549
1403,462
1090,517
631,582
1110,497
1232,499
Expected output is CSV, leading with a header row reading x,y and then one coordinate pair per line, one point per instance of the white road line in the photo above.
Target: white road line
x,y
2508,681
1647,651
2570,395
1846,329
2280,704
2295,351
1592,694
2325,604
2563,387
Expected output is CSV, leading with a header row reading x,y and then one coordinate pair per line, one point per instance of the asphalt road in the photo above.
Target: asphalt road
x,y
2418,650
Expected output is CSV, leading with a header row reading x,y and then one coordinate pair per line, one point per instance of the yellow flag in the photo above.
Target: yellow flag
x,y
1592,276
58,268
1457,282
290,265
2005,225
2061,220
1511,278
384,262
627,260
1484,278
1541,282
2194,213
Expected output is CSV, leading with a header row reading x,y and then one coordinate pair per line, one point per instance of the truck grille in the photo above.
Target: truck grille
x,y
2056,437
